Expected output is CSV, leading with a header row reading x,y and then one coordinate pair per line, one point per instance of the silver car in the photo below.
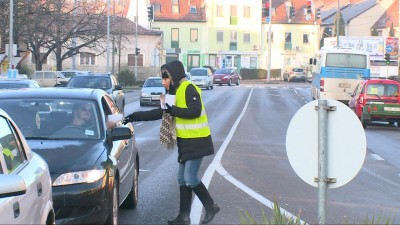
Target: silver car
x,y
25,190
151,91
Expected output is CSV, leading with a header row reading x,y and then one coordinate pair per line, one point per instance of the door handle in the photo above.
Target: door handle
x,y
16,209
39,189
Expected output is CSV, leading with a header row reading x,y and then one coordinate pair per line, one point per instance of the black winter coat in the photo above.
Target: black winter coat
x,y
188,148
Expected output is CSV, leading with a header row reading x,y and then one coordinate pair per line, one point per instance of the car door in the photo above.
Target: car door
x,y
33,206
122,151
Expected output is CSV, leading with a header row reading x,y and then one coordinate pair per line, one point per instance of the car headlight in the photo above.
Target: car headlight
x,y
145,94
88,176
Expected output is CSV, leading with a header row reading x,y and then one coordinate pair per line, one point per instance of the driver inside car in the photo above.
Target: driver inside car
x,y
81,114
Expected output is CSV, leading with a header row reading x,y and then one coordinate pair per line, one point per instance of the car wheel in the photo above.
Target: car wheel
x,y
131,201
113,214
238,82
212,86
364,123
230,82
141,104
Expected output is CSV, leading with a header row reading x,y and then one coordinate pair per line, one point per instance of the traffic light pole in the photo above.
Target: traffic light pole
x,y
269,43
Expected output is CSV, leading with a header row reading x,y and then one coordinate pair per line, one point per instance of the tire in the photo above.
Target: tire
x,y
230,82
114,209
212,86
141,104
238,82
364,123
131,200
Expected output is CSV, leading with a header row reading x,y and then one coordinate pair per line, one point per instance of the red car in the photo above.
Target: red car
x,y
374,91
228,75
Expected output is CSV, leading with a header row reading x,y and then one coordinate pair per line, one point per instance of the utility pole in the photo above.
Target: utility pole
x,y
11,41
74,38
113,47
108,37
269,43
337,24
136,38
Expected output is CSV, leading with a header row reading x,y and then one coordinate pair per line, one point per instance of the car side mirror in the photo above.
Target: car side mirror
x,y
121,133
118,87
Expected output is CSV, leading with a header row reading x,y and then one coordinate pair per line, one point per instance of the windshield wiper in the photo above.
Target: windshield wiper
x,y
40,138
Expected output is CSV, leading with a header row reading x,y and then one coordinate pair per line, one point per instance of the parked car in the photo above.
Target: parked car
x,y
151,91
228,75
202,77
49,78
94,169
297,74
104,81
25,182
18,83
376,100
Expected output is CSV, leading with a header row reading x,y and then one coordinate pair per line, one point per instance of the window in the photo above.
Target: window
x,y
233,10
220,36
246,11
305,39
10,146
288,37
220,11
194,35
131,60
346,60
233,40
212,60
175,6
41,56
87,58
174,38
193,9
157,8
253,62
246,38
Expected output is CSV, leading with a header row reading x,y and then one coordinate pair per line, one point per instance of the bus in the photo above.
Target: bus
x,y
337,71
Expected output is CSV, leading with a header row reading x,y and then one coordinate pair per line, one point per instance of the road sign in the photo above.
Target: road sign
x,y
346,143
389,48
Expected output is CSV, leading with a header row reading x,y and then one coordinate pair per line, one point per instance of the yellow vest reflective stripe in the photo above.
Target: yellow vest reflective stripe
x,y
190,128
8,152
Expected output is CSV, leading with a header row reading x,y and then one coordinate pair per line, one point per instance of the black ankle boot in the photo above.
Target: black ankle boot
x,y
185,204
208,203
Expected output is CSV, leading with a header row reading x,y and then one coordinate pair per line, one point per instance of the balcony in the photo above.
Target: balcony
x,y
234,20
288,46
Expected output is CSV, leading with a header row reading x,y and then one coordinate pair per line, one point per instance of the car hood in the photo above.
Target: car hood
x,y
68,155
154,90
220,74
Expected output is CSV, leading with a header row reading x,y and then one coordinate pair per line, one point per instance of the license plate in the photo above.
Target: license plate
x,y
344,85
217,79
155,97
391,109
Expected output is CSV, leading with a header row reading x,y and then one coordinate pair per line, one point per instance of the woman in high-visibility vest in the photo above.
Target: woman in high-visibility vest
x,y
193,138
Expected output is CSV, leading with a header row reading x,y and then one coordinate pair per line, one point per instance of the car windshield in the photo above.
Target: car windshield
x,y
55,118
223,71
198,72
12,85
153,83
90,82
297,70
382,89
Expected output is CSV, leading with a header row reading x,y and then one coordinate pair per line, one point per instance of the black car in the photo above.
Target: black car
x,y
94,169
104,81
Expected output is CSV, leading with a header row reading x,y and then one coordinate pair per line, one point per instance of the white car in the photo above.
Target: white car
x,y
25,183
202,77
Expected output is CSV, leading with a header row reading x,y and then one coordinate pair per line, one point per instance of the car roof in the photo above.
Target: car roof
x,y
17,81
154,78
377,80
53,92
93,75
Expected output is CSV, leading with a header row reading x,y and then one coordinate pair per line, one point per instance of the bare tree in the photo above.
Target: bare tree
x,y
47,27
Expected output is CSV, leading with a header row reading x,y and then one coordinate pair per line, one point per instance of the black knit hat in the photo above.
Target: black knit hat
x,y
175,69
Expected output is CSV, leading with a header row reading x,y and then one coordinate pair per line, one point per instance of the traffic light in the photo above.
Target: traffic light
x,y
387,58
318,16
265,9
309,7
291,11
137,51
150,13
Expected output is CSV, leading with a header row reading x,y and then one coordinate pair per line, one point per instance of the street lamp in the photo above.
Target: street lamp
x,y
108,36
11,41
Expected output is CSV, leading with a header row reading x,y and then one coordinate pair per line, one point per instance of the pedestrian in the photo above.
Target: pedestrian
x,y
189,129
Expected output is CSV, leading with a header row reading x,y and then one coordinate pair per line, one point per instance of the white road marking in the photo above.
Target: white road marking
x,y
217,166
377,157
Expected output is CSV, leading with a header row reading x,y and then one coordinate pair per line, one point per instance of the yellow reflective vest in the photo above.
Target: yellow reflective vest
x,y
190,128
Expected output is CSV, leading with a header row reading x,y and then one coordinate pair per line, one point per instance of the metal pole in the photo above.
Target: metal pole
x,y
322,160
136,38
337,24
269,42
108,36
113,47
11,41
74,38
